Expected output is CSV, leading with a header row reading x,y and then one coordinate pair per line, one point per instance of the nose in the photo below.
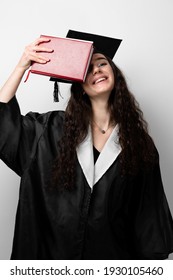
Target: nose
x,y
95,69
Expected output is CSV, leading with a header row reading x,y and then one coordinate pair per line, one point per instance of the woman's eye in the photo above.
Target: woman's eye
x,y
101,64
90,69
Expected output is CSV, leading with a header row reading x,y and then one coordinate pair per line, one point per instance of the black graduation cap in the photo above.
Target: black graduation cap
x,y
102,44
105,45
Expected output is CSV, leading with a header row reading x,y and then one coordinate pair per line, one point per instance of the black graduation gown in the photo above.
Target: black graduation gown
x,y
104,217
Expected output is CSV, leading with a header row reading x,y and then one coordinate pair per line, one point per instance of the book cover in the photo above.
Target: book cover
x,y
69,60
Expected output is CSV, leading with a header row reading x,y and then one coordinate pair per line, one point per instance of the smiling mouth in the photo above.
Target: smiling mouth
x,y
99,80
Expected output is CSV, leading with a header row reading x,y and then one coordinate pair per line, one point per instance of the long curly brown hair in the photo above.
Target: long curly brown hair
x,y
138,149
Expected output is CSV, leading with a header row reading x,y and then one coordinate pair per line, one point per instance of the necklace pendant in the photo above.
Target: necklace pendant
x,y
103,131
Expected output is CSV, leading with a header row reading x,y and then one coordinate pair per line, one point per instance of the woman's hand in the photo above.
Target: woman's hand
x,y
32,54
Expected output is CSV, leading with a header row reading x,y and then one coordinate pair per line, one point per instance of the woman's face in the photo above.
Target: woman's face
x,y
100,78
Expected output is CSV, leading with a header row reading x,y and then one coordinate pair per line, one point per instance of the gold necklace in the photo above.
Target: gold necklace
x,y
103,131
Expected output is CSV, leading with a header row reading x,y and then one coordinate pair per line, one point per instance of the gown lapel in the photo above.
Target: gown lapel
x,y
106,158
108,155
86,158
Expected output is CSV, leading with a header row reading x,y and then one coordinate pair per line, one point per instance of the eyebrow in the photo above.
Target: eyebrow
x,y
99,58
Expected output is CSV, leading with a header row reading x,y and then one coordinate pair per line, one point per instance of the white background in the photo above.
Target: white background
x,y
145,56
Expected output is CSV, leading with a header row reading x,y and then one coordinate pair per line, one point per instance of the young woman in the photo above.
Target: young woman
x,y
90,179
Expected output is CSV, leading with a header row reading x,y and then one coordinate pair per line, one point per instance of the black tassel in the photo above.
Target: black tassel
x,y
56,91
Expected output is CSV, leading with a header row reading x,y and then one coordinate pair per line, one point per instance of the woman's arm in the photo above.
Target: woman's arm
x,y
31,53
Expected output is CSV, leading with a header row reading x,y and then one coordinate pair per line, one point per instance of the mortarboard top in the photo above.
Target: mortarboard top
x,y
105,45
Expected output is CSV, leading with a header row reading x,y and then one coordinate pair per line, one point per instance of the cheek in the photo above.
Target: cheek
x,y
85,86
112,79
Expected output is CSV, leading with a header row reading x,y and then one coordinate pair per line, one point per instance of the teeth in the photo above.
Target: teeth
x,y
100,80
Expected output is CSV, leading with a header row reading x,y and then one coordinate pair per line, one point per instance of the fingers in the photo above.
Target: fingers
x,y
41,49
36,45
38,58
33,51
40,40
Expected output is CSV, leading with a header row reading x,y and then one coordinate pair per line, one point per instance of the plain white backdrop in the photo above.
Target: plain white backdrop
x,y
145,57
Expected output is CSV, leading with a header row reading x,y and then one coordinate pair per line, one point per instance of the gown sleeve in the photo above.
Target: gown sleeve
x,y
153,222
18,135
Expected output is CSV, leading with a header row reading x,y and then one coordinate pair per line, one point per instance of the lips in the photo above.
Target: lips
x,y
99,80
